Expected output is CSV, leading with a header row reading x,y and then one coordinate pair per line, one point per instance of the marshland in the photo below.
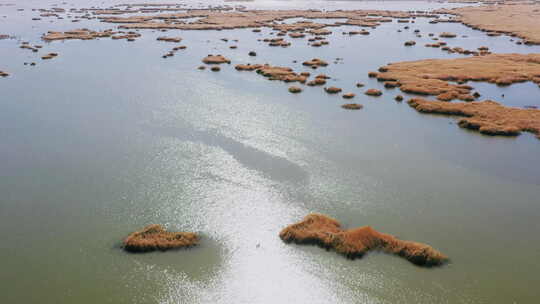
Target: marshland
x,y
123,129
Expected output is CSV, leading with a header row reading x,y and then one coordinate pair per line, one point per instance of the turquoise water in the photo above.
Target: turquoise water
x,y
110,137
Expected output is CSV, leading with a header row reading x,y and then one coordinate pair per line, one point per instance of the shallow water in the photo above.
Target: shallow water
x,y
110,137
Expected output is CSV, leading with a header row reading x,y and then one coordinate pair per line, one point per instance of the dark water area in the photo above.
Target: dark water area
x,y
109,137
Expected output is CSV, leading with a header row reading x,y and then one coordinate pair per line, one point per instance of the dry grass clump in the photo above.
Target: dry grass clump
x,y
320,31
155,237
447,35
169,39
315,229
315,62
433,76
332,90
410,43
82,34
322,76
373,92
277,42
28,47
460,50
352,106
297,28
317,82
213,19
517,20
297,35
285,74
435,45
215,59
294,89
351,33
326,232
129,36
248,67
391,84
49,56
487,117
280,73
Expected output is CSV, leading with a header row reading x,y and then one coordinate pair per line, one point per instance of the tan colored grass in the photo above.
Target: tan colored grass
x,y
155,237
285,74
295,89
215,59
219,20
326,232
49,56
521,20
169,39
332,90
82,34
352,106
487,117
315,62
373,92
434,76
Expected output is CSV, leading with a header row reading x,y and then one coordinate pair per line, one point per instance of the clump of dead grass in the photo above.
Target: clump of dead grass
x,y
155,237
326,232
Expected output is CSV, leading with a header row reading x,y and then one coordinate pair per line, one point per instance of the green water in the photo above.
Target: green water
x,y
110,137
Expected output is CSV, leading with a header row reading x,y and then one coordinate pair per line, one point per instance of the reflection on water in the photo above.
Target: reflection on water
x,y
274,167
110,137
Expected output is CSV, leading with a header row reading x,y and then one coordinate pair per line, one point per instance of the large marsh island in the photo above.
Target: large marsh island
x,y
193,152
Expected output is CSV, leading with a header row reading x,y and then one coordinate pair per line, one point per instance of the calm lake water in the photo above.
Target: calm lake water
x,y
110,137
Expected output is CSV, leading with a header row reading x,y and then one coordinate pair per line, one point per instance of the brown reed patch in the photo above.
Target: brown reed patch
x,y
435,76
352,106
326,232
487,117
215,59
521,20
155,237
